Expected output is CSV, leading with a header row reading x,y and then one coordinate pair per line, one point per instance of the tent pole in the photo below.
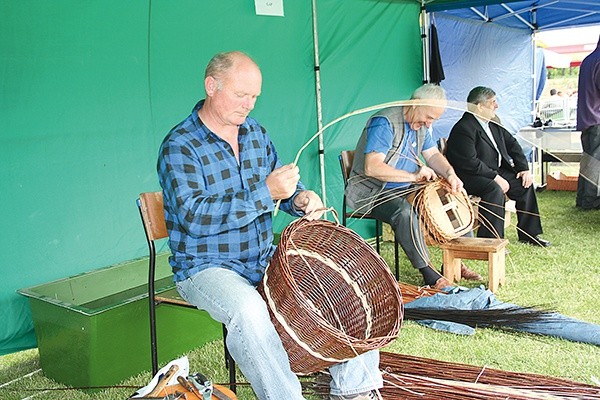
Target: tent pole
x,y
319,105
535,159
425,41
534,67
534,76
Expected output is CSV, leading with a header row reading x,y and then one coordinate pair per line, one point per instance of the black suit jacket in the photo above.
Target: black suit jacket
x,y
471,152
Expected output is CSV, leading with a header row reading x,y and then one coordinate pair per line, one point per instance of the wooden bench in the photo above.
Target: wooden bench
x,y
470,248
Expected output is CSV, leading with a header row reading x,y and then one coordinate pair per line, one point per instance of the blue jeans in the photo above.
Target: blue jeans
x,y
255,345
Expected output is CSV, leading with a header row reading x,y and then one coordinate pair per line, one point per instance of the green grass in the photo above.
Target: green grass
x,y
564,277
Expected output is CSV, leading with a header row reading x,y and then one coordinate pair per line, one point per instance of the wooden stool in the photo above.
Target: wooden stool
x,y
469,248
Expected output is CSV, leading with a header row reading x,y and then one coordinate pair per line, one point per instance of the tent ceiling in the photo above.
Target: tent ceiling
x,y
534,15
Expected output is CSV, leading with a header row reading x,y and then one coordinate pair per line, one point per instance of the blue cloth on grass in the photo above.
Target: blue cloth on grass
x,y
459,298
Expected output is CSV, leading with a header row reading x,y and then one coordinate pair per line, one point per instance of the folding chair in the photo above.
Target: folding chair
x,y
346,158
150,205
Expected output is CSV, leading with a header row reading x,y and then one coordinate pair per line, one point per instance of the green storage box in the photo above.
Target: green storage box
x,y
93,329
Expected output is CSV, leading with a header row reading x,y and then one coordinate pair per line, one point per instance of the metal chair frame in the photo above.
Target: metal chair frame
x,y
150,205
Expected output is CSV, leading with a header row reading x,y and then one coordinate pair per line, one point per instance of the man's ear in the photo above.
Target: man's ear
x,y
210,85
473,108
480,109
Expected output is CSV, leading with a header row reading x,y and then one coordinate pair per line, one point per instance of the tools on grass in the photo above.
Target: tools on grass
x,y
194,387
175,382
163,381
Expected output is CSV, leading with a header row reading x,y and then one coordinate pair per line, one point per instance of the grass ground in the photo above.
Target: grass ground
x,y
564,277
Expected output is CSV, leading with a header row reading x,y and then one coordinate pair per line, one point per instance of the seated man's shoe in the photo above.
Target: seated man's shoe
x,y
468,274
361,396
536,241
441,283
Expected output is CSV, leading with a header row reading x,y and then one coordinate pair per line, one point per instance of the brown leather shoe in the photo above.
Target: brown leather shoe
x,y
468,274
441,283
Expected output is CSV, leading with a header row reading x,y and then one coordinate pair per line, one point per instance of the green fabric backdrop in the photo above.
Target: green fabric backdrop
x,y
90,88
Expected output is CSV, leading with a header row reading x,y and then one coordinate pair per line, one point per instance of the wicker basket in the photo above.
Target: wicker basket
x,y
330,295
444,215
560,181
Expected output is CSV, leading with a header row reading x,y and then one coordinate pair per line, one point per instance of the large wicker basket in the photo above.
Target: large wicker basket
x,y
330,296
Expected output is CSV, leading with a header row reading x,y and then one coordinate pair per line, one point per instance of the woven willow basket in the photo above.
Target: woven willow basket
x,y
444,215
330,295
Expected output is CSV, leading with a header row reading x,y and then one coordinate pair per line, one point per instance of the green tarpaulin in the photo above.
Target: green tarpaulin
x,y
90,88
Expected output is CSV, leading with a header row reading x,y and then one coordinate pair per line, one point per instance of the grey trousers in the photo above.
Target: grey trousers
x,y
588,185
404,220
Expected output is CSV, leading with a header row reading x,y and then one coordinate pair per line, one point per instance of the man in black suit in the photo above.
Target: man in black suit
x,y
491,164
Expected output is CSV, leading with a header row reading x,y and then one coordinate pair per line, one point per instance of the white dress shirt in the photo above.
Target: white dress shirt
x,y
486,127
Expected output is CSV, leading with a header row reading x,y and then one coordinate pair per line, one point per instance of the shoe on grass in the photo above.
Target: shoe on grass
x,y
361,396
469,274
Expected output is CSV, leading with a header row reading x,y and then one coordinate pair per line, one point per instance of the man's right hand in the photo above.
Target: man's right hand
x,y
425,174
503,183
282,181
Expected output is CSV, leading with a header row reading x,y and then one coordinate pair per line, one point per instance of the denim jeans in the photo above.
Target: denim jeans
x,y
254,343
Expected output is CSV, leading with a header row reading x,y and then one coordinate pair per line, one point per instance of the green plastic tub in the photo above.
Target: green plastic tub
x,y
93,329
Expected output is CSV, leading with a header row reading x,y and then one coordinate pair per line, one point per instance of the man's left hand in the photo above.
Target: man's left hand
x,y
309,202
526,177
455,183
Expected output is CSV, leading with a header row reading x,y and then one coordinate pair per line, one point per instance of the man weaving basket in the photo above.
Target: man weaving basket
x,y
221,177
387,165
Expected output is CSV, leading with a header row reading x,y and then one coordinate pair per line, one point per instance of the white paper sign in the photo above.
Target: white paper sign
x,y
269,7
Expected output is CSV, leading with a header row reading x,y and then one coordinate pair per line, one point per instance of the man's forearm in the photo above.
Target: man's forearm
x,y
441,166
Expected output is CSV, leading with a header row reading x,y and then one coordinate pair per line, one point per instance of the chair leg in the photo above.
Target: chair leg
x,y
396,260
378,228
229,362
152,311
153,344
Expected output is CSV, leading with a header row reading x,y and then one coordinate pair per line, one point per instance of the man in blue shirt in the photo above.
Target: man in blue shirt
x,y
387,162
221,177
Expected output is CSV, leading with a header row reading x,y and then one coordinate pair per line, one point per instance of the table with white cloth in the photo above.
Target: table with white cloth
x,y
550,145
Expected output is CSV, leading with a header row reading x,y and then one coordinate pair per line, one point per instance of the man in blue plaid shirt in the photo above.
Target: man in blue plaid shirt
x,y
221,177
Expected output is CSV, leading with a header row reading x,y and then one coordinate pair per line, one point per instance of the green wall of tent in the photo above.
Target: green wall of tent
x,y
90,88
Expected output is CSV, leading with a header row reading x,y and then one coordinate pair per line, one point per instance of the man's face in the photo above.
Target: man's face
x,y
487,109
234,94
420,116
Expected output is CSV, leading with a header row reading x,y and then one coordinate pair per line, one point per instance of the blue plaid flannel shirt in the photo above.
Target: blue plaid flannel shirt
x,y
219,212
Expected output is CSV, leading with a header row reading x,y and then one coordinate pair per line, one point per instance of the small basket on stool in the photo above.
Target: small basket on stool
x,y
330,295
444,215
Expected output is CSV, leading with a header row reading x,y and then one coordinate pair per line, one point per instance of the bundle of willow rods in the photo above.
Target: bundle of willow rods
x,y
509,318
411,366
415,378
412,292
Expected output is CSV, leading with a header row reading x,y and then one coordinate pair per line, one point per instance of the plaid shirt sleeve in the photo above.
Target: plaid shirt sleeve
x,y
212,192
219,211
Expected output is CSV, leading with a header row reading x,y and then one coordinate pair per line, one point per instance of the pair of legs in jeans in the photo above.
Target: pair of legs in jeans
x,y
255,345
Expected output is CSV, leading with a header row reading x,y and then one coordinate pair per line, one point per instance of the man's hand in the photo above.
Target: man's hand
x,y
425,174
526,177
503,183
309,202
282,181
455,183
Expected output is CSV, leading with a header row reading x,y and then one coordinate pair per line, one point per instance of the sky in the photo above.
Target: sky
x,y
568,47
571,36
